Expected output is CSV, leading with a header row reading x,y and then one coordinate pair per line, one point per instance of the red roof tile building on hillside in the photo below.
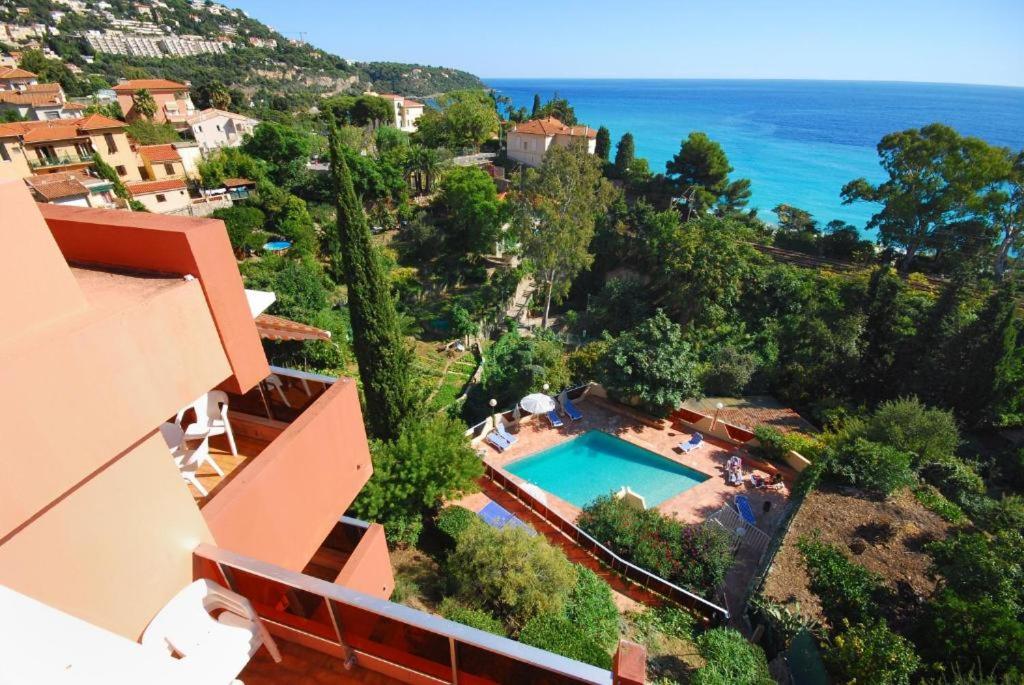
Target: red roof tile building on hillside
x,y
39,147
107,515
78,188
39,102
166,196
158,162
407,111
13,78
529,141
173,103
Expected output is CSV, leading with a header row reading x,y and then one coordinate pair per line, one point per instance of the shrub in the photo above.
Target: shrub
x,y
453,521
775,444
928,433
667,620
847,590
556,633
871,653
932,499
1004,514
729,371
244,226
954,478
731,660
510,573
976,565
590,606
693,556
468,616
974,633
871,466
516,366
404,589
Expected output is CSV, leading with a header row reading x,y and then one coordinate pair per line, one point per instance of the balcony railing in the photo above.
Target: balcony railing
x,y
379,635
59,160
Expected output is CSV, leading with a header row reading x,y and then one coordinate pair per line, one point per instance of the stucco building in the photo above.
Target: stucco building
x,y
407,111
529,141
217,128
173,102
39,147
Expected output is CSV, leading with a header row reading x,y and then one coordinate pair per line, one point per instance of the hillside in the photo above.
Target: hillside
x,y
254,60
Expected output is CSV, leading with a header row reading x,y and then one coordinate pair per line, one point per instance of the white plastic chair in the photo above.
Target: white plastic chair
x,y
188,460
211,418
187,627
274,381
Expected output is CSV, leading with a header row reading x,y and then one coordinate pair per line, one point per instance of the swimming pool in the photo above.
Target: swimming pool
x,y
597,463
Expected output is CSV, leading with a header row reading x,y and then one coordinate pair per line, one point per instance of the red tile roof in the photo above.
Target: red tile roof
x,y
94,121
278,328
43,88
57,186
148,84
148,187
17,97
159,153
550,126
238,182
412,103
42,134
15,72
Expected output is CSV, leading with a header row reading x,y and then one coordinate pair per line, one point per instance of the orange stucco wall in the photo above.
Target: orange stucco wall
x,y
176,245
368,569
282,506
114,549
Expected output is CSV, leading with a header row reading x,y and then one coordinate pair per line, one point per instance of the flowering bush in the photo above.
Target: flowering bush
x,y
871,653
692,556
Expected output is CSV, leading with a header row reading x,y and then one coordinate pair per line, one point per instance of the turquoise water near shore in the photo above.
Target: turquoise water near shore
x,y
798,141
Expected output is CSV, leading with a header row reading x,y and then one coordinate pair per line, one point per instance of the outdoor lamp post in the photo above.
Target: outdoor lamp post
x,y
547,386
718,408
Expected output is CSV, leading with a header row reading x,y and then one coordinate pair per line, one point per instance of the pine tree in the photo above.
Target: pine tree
x,y
603,147
886,328
929,354
536,106
624,154
384,357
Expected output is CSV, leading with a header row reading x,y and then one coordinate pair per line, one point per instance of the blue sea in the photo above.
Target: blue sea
x,y
797,141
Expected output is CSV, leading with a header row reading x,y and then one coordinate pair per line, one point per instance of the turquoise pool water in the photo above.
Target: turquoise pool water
x,y
597,463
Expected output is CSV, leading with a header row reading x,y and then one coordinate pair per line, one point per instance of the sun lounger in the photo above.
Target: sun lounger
x,y
499,517
571,410
553,418
508,437
743,507
694,442
499,442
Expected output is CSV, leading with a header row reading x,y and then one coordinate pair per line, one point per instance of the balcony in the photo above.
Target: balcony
x,y
60,161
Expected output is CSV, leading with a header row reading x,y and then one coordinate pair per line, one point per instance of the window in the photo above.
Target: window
x,y
121,171
161,198
169,169
219,128
199,129
111,144
526,145
142,173
52,115
4,155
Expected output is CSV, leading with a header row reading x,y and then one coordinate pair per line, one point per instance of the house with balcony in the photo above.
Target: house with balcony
x,y
135,324
173,103
217,128
529,141
14,78
407,111
40,147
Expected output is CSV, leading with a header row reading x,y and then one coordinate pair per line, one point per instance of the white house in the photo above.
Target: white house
x,y
406,111
216,128
529,141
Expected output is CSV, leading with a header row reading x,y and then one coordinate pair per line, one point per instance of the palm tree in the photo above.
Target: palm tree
x,y
422,165
144,104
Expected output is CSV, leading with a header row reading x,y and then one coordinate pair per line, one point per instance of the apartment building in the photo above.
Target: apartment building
x,y
216,128
153,45
529,141
40,102
407,111
134,319
173,103
40,147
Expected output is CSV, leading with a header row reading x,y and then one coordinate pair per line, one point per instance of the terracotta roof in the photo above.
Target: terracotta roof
x,y
148,84
17,97
210,113
43,88
94,121
550,126
56,186
236,182
751,412
75,106
278,328
159,153
57,131
148,187
412,103
15,72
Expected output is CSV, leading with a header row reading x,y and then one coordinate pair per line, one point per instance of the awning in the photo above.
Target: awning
x,y
272,327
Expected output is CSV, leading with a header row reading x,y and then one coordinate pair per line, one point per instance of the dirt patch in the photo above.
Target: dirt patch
x,y
423,578
886,537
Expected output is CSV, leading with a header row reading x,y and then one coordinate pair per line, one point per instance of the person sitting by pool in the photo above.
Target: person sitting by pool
x,y
758,480
734,471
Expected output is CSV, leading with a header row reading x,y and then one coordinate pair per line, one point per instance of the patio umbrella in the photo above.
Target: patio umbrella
x,y
537,403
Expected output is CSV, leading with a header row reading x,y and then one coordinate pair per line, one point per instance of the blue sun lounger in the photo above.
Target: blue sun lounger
x,y
570,409
499,442
497,516
743,507
692,443
505,435
556,422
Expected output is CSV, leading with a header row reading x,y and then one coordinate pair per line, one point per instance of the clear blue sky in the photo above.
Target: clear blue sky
x,y
958,41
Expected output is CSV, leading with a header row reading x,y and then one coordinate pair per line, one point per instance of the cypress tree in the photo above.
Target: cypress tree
x,y
384,358
604,143
536,105
885,332
930,353
624,154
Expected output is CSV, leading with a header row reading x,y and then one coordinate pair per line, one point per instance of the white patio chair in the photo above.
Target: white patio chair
x,y
188,460
186,626
274,381
211,418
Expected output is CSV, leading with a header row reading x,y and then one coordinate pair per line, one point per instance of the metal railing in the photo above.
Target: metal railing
x,y
712,612
383,636
60,160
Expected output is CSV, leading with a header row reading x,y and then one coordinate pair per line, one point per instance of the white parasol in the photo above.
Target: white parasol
x,y
537,403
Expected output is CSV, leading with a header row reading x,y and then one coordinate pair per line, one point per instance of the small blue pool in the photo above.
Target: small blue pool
x,y
597,463
276,245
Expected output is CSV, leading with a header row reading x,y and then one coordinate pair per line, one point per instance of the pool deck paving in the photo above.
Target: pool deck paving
x,y
693,505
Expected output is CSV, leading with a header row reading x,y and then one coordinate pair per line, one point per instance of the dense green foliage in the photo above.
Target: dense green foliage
x,y
428,462
284,148
871,466
468,616
245,227
473,213
517,366
557,633
146,132
382,353
692,556
700,174
871,653
848,591
731,660
461,119
454,520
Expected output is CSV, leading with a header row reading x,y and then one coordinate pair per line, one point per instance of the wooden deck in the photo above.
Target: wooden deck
x,y
302,666
231,465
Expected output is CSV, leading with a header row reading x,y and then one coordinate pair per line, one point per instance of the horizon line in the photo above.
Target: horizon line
x,y
748,78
